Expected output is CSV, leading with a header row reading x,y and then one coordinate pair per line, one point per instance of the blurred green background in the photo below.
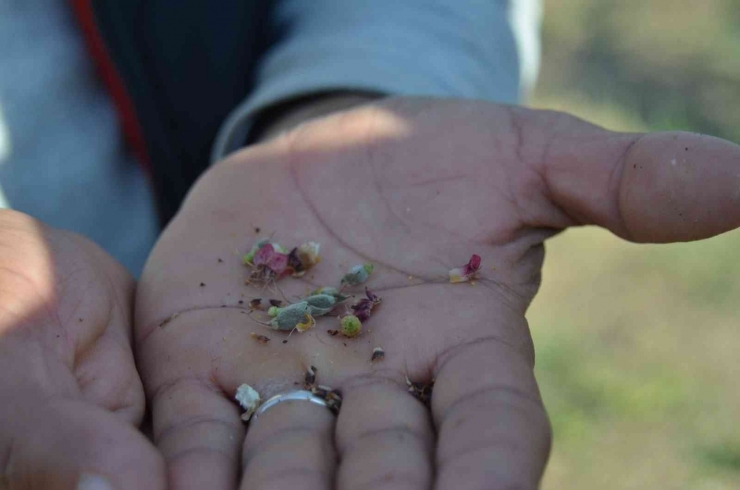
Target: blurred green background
x,y
638,347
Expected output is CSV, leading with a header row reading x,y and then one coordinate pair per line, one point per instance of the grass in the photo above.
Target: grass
x,y
637,346
636,358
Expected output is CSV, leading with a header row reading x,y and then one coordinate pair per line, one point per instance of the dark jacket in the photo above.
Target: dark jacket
x,y
174,69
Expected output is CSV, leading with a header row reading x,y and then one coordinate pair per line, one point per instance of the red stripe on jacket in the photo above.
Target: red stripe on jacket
x,y
108,73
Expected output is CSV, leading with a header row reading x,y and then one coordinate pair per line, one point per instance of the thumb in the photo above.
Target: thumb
x,y
65,444
656,187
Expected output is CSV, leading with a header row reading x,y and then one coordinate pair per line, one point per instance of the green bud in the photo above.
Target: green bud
x,y
273,311
290,316
351,326
331,291
320,304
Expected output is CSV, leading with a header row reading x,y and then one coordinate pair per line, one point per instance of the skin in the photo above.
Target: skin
x,y
71,397
414,186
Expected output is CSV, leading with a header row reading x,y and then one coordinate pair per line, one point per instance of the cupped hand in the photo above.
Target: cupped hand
x,y
414,186
71,396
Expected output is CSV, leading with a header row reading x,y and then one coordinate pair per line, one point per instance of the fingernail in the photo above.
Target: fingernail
x,y
93,482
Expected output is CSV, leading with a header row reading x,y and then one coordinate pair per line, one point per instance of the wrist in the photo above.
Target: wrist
x,y
287,115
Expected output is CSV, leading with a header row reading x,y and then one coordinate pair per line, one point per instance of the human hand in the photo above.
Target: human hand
x,y
71,396
414,186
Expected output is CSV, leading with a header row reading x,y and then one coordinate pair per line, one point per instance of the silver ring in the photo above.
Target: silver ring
x,y
297,395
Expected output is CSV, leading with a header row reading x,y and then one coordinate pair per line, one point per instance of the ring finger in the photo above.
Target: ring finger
x,y
290,446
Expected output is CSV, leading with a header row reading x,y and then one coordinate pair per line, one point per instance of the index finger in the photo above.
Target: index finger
x,y
492,428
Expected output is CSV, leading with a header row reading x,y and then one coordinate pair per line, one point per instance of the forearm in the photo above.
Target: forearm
x,y
444,48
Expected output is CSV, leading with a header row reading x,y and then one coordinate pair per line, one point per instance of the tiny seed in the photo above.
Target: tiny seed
x,y
262,339
310,378
378,354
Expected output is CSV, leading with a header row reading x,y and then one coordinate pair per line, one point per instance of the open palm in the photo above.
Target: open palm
x,y
414,186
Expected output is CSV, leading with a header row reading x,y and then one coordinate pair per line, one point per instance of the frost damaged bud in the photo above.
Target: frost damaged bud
x,y
331,291
249,256
357,275
467,272
320,304
268,262
364,307
291,317
302,258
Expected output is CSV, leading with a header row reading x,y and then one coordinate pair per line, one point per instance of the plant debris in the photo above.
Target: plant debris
x,y
357,275
255,304
333,333
262,339
310,379
351,323
364,307
332,397
421,391
249,400
378,354
276,302
308,322
468,272
202,284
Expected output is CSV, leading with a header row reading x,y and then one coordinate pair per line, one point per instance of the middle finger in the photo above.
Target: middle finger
x,y
384,437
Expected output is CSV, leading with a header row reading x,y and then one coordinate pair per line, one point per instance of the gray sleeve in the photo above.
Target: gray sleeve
x,y
482,49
